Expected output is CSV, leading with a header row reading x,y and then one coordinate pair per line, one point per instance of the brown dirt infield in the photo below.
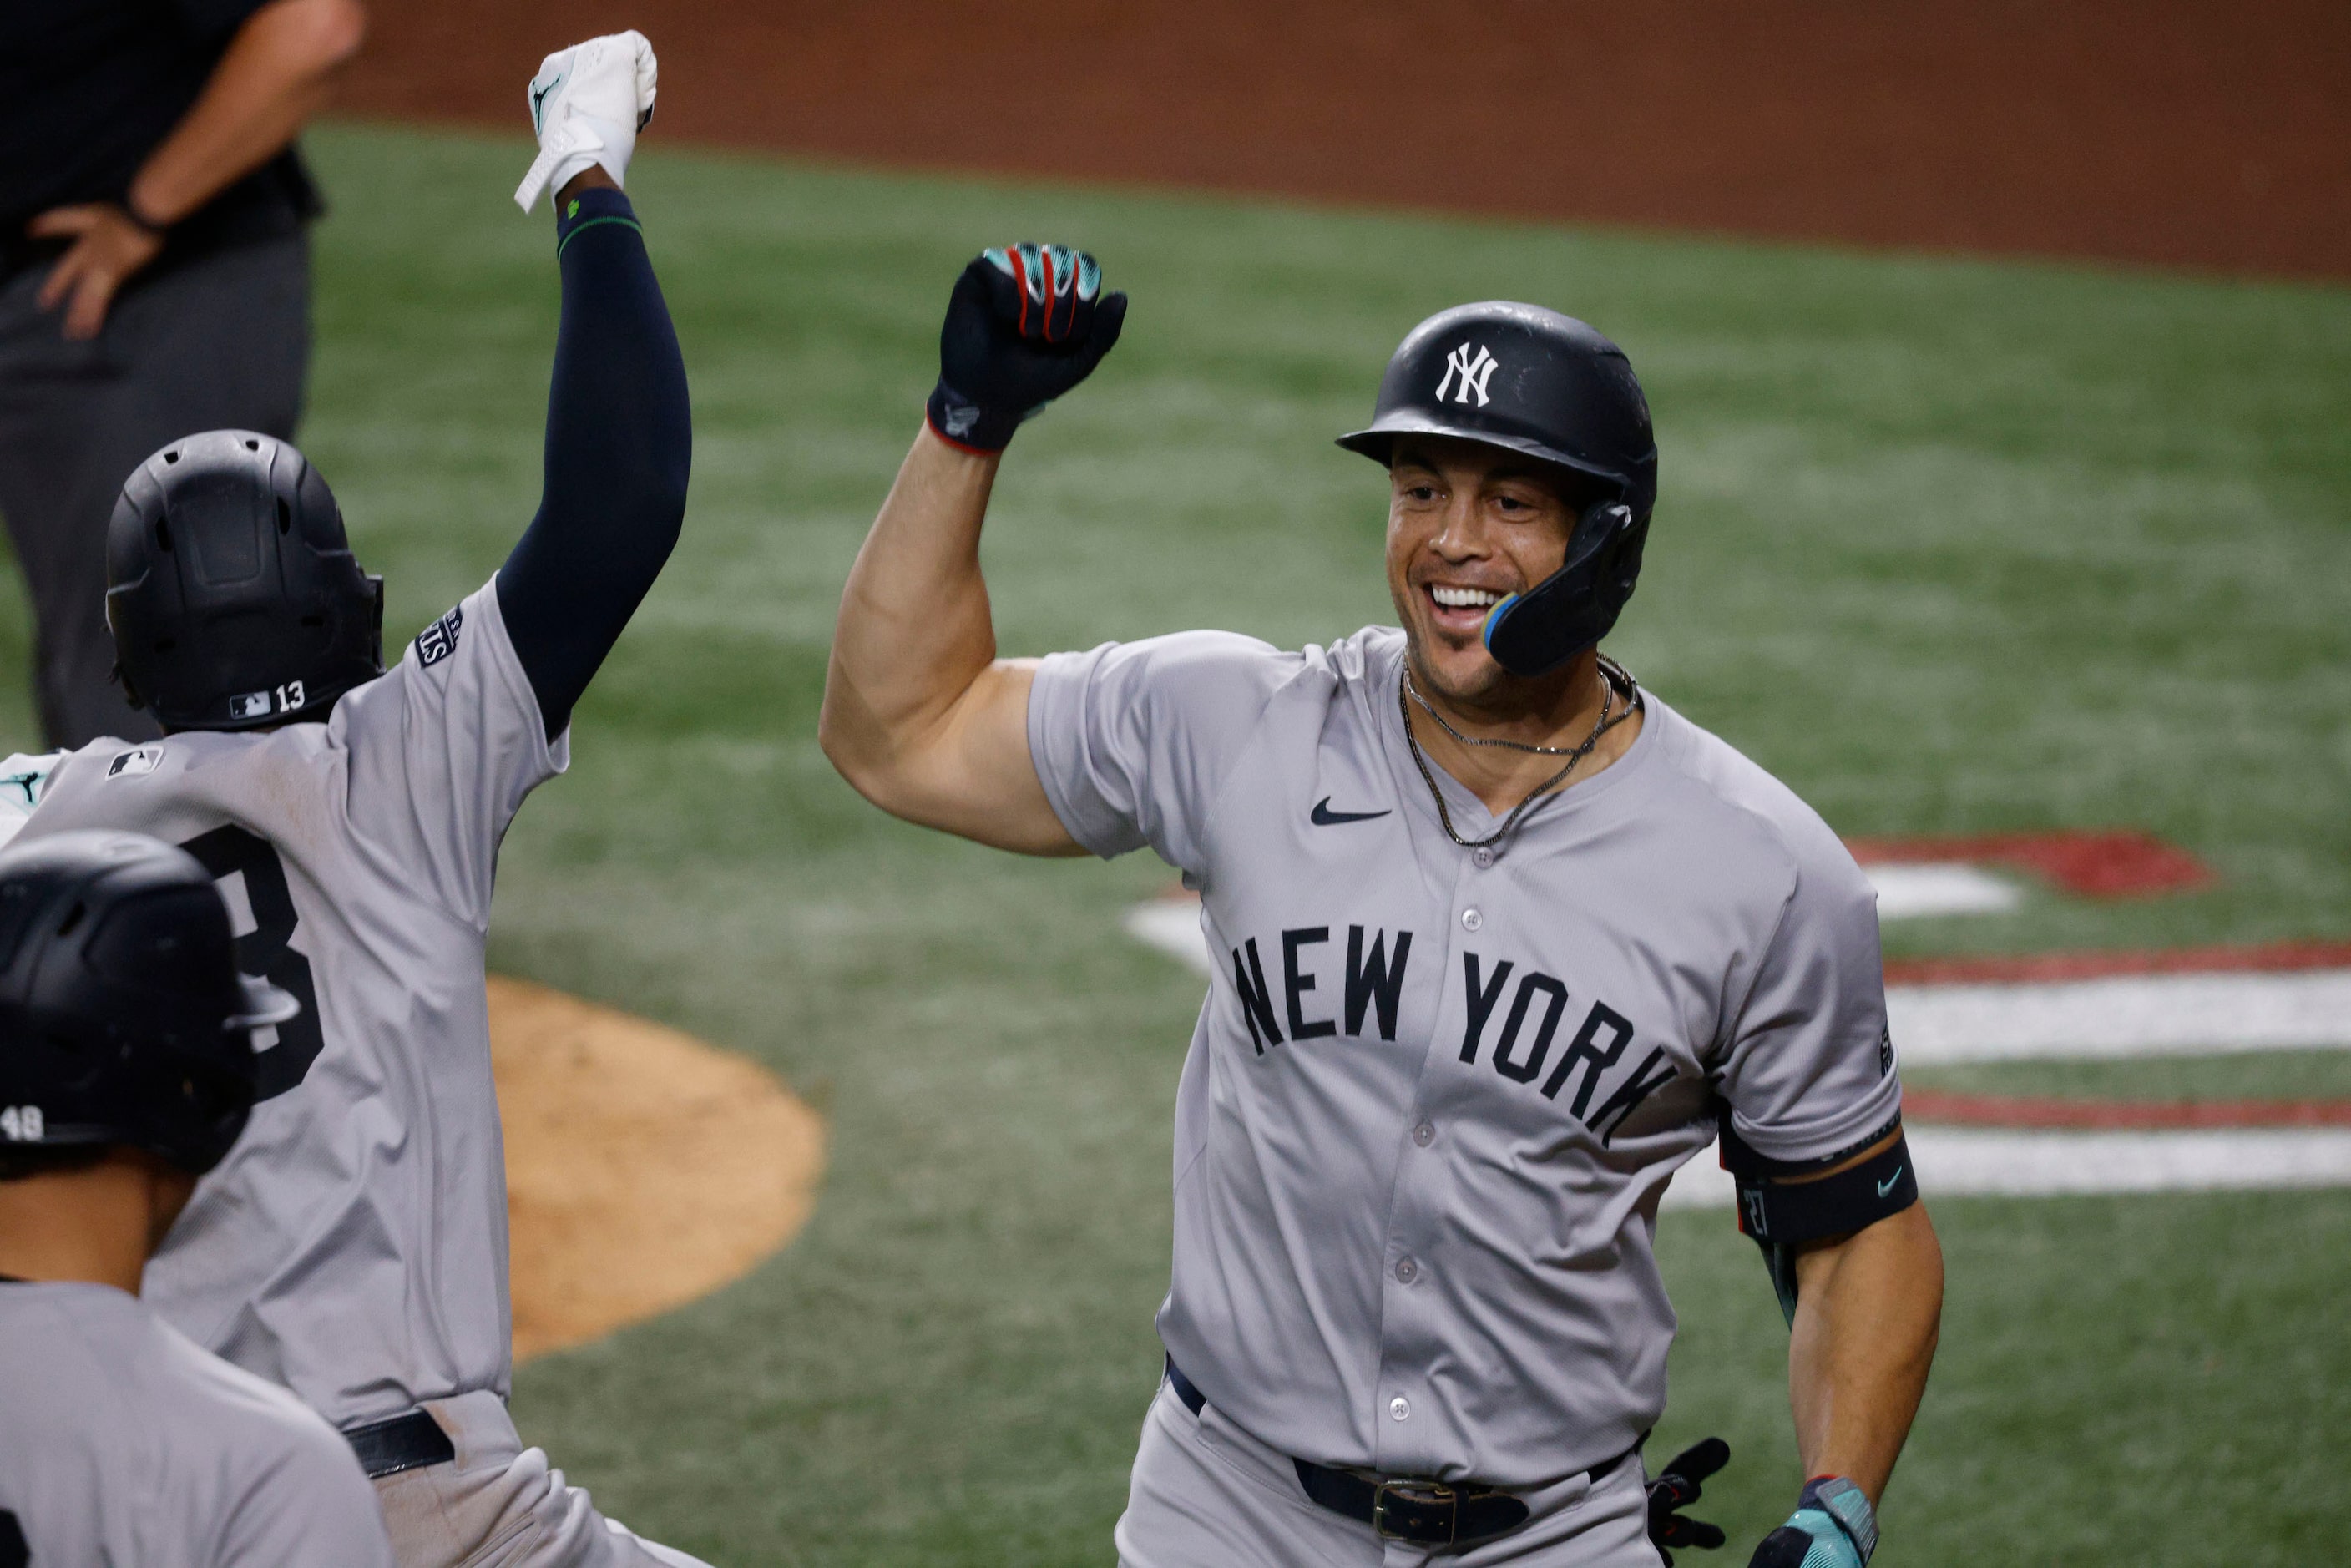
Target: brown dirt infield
x,y
643,1168
2188,132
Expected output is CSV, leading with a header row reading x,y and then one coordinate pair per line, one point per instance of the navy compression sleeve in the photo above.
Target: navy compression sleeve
x,y
618,441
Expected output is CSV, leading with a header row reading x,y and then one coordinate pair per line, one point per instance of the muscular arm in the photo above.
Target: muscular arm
x,y
1867,1311
920,716
620,441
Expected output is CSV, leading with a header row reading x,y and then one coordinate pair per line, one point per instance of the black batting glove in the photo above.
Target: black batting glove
x,y
1676,1487
1025,324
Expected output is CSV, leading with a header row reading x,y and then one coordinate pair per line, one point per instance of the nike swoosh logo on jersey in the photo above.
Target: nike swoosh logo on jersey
x,y
1323,816
1887,1185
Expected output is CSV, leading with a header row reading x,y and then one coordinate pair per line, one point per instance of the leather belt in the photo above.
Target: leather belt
x,y
1429,1512
409,1442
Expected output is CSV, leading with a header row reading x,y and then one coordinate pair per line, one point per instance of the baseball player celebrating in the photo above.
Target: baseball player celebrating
x,y
352,1246
126,1072
1500,940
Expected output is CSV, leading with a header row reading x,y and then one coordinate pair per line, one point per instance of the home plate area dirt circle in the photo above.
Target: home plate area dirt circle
x,y
2058,1007
645,1169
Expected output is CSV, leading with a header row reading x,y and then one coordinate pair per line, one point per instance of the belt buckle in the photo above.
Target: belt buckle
x,y
1431,1495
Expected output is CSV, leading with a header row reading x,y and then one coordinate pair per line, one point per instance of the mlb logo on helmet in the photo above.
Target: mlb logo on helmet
x,y
250,705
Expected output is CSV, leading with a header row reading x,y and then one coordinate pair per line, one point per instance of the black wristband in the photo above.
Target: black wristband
x,y
959,422
139,220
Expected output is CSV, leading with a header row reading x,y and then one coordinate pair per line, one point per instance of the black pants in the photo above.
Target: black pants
x,y
220,341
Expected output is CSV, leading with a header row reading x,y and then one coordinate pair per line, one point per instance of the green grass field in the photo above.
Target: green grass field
x,y
1951,546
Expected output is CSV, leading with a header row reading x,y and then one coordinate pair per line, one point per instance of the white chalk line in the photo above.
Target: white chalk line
x,y
1908,891
1975,1161
1173,926
2119,1015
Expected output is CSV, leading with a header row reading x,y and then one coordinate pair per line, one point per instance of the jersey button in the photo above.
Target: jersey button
x,y
1406,1271
1424,1135
1399,1408
1471,920
1482,857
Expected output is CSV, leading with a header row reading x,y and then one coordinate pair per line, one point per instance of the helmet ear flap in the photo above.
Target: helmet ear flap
x,y
1623,570
1534,632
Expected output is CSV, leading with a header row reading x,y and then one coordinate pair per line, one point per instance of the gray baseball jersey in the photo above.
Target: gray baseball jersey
x,y
1435,1093
123,1443
353,1245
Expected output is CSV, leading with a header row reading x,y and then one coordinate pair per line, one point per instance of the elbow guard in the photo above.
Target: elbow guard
x,y
1784,1204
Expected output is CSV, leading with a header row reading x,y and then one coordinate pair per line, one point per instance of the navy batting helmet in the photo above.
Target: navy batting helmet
x,y
123,1018
231,590
1534,381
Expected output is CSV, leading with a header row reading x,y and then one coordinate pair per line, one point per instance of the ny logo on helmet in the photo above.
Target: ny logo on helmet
x,y
1472,372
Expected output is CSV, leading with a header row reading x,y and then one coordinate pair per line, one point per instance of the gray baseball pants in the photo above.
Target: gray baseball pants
x,y
219,341
1206,1494
499,1504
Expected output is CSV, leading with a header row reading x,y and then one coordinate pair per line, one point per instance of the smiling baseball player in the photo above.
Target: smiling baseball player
x,y
353,1246
1500,940
126,1072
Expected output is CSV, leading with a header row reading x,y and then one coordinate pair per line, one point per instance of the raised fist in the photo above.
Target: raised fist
x,y
587,103
1025,324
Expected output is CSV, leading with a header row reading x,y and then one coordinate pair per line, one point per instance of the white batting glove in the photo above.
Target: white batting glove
x,y
587,102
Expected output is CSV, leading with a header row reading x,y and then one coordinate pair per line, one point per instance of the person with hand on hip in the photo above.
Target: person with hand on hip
x,y
154,276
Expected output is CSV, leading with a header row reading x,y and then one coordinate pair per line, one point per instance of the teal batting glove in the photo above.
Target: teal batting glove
x,y
1834,1527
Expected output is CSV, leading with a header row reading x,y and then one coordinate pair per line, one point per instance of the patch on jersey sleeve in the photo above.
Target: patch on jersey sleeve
x,y
438,641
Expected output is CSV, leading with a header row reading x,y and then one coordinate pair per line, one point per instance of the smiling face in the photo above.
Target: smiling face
x,y
1468,525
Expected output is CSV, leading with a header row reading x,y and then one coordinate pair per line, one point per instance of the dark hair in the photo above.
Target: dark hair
x,y
32,1160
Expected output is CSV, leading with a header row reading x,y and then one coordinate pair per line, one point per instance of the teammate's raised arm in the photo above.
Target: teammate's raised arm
x,y
362,809
920,716
619,431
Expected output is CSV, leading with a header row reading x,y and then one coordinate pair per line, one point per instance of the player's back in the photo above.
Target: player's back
x,y
352,1246
122,1443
